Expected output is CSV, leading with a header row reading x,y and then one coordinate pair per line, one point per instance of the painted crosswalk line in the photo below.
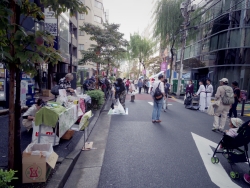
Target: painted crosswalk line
x,y
217,173
151,103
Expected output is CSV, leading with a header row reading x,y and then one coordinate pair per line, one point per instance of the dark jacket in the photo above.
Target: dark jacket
x,y
190,89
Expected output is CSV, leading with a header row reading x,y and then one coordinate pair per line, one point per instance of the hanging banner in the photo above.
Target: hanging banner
x,y
143,71
115,69
164,66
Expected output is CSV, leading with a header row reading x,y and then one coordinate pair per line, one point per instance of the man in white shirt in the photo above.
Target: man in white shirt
x,y
159,101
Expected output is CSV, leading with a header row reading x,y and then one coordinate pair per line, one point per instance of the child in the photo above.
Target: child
x,y
234,125
30,114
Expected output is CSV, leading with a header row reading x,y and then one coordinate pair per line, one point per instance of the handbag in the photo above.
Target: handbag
x,y
215,103
55,90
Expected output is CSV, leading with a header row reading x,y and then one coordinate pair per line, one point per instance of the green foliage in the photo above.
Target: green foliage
x,y
97,95
109,45
60,6
168,21
6,177
140,48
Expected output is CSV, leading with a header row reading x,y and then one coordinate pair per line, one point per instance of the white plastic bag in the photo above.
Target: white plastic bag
x,y
39,149
44,139
118,108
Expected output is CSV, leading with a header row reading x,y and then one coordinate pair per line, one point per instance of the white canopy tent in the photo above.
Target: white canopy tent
x,y
156,75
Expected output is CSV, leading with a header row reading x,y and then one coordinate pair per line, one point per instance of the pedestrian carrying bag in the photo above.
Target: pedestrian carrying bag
x,y
228,98
158,94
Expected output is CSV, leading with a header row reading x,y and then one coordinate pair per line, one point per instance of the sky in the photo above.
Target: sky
x,y
132,15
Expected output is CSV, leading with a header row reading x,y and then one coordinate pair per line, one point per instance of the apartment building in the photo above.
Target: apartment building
x,y
96,15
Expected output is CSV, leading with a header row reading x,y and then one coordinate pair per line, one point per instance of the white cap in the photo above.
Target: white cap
x,y
224,80
237,122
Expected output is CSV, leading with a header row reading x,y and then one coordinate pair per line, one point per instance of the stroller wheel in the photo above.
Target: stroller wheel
x,y
234,175
215,160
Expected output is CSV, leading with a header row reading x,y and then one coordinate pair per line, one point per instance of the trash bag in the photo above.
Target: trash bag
x,y
118,108
40,149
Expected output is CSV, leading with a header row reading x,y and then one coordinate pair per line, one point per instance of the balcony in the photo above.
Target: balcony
x,y
74,41
73,20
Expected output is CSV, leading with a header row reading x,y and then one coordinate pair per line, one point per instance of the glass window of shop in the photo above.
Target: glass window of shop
x,y
235,38
98,5
63,29
64,47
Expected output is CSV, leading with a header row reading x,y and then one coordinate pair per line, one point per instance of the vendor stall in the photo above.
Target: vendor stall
x,y
55,119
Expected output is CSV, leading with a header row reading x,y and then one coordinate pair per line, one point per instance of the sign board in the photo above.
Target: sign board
x,y
50,22
243,94
164,66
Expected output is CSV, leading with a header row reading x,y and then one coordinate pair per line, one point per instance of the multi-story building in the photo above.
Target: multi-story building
x,y
222,43
96,16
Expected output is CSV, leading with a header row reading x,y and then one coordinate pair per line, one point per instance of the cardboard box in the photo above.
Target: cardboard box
x,y
36,168
47,93
68,135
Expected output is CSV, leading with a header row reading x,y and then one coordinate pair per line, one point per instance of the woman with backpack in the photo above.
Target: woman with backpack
x,y
158,94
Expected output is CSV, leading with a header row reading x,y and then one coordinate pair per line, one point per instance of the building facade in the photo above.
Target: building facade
x,y
221,44
97,16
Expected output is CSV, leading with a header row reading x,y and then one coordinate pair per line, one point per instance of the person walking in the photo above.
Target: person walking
x,y
136,83
209,92
223,92
120,92
166,89
202,94
233,109
140,85
158,94
147,86
127,84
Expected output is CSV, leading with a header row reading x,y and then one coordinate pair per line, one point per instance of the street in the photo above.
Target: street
x,y
142,154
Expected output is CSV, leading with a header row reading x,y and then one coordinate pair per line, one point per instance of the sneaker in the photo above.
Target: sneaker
x,y
158,121
214,129
153,121
164,110
247,178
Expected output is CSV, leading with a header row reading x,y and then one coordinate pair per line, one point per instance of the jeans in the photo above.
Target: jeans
x,y
127,88
233,110
157,109
139,90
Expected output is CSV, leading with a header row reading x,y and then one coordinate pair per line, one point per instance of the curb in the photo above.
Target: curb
x,y
61,175
6,111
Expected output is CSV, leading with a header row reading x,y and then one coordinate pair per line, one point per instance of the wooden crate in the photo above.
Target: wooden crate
x,y
47,93
68,135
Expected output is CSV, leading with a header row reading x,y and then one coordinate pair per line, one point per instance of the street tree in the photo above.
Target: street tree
x,y
21,51
108,46
168,21
140,48
154,64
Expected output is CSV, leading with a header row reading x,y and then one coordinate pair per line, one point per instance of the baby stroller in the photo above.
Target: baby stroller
x,y
232,151
192,102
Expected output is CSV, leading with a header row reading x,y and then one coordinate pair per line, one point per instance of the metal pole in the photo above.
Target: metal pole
x,y
71,49
186,17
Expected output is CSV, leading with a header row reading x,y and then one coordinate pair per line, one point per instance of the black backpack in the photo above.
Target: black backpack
x,y
158,94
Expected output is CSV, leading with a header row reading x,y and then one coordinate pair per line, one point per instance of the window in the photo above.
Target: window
x,y
82,16
98,4
81,33
98,19
81,47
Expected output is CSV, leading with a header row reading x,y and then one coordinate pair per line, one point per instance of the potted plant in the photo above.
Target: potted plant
x,y
97,98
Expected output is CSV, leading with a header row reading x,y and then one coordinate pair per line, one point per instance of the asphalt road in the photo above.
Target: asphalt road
x,y
142,154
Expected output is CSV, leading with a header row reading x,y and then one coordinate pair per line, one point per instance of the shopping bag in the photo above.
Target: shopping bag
x,y
118,108
210,110
44,139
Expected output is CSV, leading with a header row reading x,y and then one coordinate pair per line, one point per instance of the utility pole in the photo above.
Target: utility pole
x,y
185,14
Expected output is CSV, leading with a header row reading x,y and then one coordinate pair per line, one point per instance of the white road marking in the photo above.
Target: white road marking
x,y
216,172
151,103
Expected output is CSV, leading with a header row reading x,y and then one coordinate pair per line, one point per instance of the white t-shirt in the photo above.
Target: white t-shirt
x,y
161,86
